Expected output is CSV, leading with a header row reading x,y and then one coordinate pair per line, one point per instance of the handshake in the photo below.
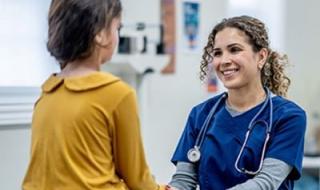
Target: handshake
x,y
168,187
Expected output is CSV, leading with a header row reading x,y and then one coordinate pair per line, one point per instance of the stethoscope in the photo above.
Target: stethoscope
x,y
194,153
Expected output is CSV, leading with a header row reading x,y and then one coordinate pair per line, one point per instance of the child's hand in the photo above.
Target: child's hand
x,y
171,188
162,187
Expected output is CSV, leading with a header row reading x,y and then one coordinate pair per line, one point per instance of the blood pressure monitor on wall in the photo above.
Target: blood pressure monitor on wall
x,y
141,38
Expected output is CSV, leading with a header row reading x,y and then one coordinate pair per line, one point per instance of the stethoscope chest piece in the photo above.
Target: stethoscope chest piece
x,y
194,154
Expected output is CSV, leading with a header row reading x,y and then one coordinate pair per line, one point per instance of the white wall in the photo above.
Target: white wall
x,y
302,44
273,18
24,59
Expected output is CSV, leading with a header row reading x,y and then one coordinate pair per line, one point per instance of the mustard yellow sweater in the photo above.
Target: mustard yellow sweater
x,y
86,136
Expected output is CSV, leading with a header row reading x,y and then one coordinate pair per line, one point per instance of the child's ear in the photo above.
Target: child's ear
x,y
98,38
101,38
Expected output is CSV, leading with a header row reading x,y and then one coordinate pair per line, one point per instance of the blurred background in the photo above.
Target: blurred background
x,y
159,55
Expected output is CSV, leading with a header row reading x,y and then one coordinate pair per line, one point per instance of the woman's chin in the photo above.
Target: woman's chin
x,y
230,85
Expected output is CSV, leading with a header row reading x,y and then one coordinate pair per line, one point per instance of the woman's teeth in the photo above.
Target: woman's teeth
x,y
229,72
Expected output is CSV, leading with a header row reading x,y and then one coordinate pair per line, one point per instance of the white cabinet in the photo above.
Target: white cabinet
x,y
16,105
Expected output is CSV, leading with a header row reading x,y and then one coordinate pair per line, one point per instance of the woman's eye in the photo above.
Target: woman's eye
x,y
235,49
216,53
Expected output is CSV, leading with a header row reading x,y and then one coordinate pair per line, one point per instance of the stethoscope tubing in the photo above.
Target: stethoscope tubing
x,y
206,124
268,131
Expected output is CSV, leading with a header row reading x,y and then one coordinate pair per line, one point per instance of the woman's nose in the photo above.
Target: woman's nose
x,y
225,58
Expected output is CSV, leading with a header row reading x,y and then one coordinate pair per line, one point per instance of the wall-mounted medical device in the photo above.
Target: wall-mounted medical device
x,y
141,38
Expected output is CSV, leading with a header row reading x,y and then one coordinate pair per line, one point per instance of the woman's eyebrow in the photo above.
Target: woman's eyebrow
x,y
234,44
228,46
216,49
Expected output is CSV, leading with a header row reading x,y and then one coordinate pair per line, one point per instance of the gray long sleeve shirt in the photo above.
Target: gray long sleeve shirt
x,y
271,176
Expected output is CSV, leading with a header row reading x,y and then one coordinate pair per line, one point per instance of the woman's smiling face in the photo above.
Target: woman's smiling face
x,y
234,60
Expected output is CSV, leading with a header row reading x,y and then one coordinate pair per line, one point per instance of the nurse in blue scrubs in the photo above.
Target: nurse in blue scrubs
x,y
251,136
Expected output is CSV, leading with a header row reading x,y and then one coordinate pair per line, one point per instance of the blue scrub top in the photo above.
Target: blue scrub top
x,y
226,134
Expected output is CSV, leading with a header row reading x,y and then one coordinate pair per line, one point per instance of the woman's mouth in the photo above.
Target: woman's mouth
x,y
229,72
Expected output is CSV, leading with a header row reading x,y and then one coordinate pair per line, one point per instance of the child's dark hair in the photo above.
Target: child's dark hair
x,y
272,74
73,25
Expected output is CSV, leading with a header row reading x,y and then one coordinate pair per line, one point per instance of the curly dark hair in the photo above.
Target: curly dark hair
x,y
73,24
272,73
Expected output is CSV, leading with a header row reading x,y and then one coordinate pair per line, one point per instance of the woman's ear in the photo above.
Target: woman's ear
x,y
263,55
